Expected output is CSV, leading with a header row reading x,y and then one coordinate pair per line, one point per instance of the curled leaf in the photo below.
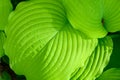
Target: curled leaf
x,y
42,45
86,16
96,63
111,15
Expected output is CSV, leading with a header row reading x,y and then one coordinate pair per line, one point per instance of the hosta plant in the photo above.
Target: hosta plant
x,y
59,39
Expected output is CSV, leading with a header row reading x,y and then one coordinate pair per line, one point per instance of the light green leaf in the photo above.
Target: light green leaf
x,y
112,15
110,74
42,45
96,63
86,16
5,9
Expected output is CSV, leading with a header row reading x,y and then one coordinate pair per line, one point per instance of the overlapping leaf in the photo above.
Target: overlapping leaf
x,y
94,17
86,16
111,15
96,63
40,41
51,39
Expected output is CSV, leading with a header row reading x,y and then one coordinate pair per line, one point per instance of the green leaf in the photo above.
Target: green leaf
x,y
86,16
5,76
96,63
42,45
115,57
110,74
5,9
112,15
2,38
